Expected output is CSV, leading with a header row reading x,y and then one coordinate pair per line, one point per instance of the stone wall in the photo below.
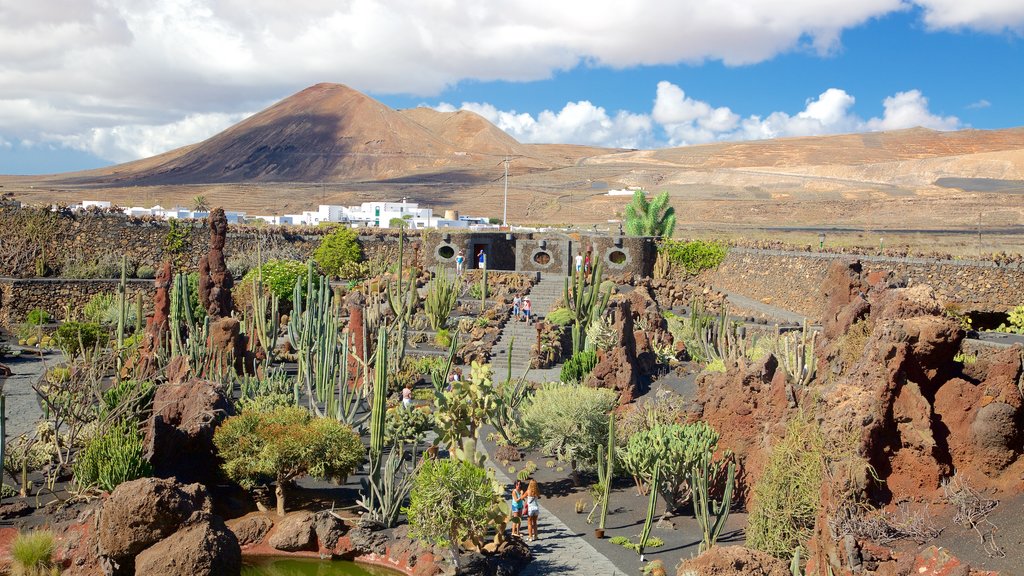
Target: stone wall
x,y
792,280
56,295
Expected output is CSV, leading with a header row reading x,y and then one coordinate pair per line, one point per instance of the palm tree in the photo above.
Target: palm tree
x,y
654,218
199,204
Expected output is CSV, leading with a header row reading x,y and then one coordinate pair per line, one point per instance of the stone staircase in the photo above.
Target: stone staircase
x,y
543,296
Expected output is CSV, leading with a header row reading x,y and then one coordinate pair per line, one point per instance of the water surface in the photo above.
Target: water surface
x,y
309,567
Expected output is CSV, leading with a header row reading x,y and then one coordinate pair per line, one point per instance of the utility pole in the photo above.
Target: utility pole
x,y
504,212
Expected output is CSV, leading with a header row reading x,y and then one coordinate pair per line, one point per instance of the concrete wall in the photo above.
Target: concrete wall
x,y
792,280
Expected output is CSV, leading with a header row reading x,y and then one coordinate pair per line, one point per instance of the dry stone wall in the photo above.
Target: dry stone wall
x,y
58,296
792,280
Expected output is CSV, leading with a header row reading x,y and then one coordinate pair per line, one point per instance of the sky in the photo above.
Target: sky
x,y
89,83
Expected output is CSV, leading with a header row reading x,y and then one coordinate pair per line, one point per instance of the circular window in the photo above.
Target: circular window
x,y
446,252
542,258
617,257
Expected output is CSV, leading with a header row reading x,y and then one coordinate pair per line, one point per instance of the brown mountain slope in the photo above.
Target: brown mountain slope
x,y
325,132
842,149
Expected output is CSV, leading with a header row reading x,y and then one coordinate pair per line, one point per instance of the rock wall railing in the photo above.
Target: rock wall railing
x,y
58,296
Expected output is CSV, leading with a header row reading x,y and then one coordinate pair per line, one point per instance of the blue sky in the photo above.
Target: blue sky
x,y
85,83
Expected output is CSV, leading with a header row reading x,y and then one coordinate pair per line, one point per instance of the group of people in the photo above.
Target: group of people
x,y
521,308
525,506
582,263
460,261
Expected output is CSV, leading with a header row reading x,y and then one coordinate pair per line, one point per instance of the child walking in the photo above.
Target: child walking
x,y
532,509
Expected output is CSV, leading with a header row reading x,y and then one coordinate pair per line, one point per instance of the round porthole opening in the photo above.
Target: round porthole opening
x,y
446,252
542,258
617,257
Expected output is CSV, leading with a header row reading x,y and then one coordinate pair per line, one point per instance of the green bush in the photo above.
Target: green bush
x,y
407,425
279,278
338,251
443,338
38,316
73,338
693,256
787,495
576,369
145,272
106,266
475,289
560,317
284,444
138,394
677,448
32,554
451,502
105,309
112,457
564,420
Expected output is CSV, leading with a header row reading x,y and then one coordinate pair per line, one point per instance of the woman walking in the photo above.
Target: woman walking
x,y
532,509
518,498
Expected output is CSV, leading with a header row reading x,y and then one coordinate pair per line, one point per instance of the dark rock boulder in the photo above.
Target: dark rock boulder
x,y
179,434
251,529
329,529
142,512
204,547
293,533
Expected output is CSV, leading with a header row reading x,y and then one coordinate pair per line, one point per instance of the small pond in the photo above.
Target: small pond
x,y
271,566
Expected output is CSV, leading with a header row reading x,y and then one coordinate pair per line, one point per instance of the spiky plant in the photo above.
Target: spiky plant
x,y
650,218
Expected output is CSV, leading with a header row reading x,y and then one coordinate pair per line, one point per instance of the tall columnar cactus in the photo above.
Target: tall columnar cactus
x,y
586,301
703,474
651,504
265,316
181,319
139,316
609,471
378,411
122,308
441,299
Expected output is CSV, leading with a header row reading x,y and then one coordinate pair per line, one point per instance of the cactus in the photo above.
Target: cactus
x,y
441,299
181,319
652,502
586,301
382,497
122,310
138,313
467,452
798,361
719,338
264,305
703,474
794,564
609,471
380,393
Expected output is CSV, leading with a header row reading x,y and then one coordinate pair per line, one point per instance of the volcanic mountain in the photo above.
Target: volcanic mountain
x,y
329,132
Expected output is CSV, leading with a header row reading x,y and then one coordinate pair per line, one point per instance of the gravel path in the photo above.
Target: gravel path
x,y
23,410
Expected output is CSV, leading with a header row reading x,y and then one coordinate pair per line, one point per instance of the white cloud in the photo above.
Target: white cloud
x,y
985,15
132,141
576,123
677,119
979,105
909,109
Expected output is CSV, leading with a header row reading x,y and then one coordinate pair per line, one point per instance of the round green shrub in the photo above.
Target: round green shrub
x,y
452,501
75,337
38,316
338,250
279,278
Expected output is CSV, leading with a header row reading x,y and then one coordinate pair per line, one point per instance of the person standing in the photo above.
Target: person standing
x,y
481,259
460,262
527,308
579,262
518,498
407,396
532,509
516,303
586,263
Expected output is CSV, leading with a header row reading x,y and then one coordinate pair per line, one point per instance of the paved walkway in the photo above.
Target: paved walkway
x,y
22,405
543,296
560,550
